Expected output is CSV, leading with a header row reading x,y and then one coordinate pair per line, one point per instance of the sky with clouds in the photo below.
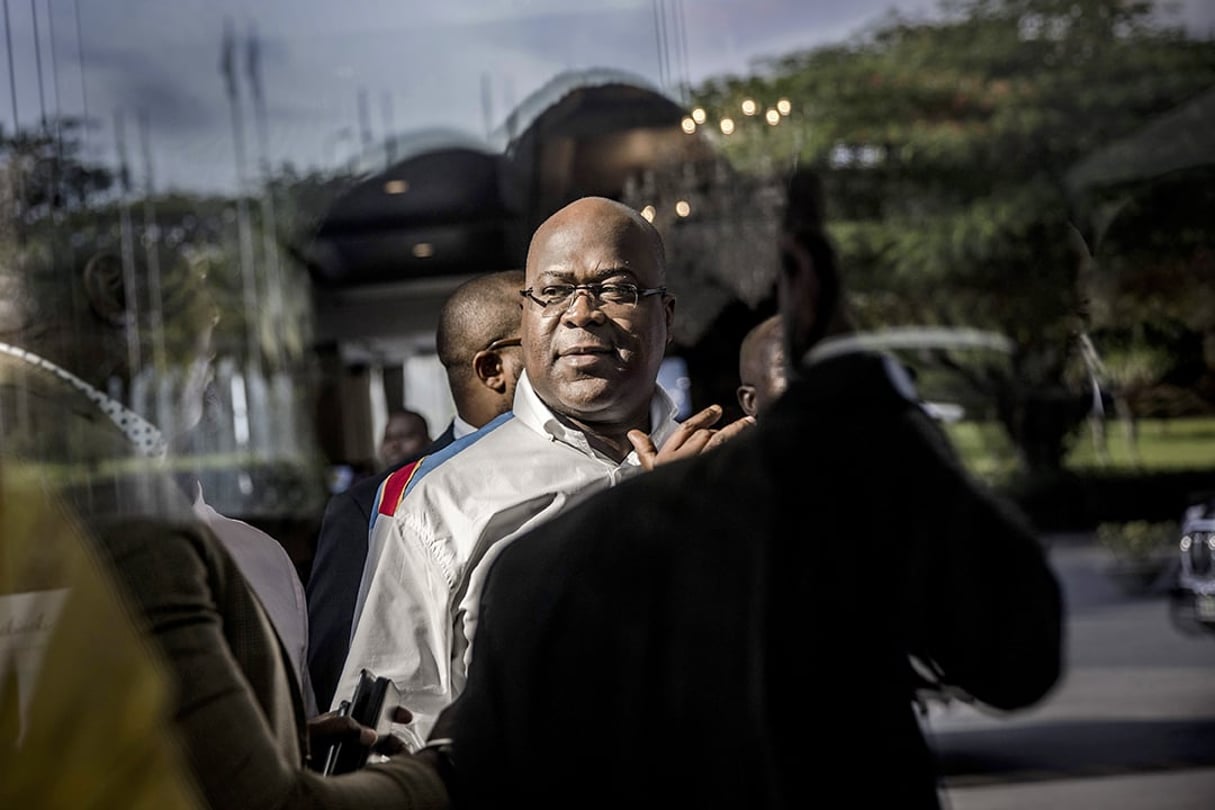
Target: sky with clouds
x,y
417,65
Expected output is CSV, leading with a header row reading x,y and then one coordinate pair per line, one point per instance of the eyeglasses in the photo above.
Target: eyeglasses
x,y
557,298
502,344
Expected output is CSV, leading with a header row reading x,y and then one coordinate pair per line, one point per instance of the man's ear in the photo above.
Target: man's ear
x,y
488,367
746,399
104,288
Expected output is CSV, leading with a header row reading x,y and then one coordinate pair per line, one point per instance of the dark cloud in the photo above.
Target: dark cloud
x,y
173,93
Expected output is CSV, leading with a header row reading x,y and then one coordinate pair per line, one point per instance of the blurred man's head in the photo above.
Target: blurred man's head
x,y
405,436
761,367
74,309
479,345
592,352
809,284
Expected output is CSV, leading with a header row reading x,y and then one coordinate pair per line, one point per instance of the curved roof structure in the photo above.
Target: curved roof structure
x,y
445,209
406,145
524,116
442,202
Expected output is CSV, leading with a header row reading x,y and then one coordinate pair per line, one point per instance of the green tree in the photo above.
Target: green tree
x,y
47,168
945,146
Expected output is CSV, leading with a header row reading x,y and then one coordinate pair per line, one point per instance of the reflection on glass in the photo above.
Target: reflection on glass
x,y
1018,168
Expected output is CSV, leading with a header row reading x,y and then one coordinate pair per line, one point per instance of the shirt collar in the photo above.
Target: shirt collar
x,y
532,411
854,344
460,428
146,438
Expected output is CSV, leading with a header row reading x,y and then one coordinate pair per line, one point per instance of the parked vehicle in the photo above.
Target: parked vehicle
x,y
1193,598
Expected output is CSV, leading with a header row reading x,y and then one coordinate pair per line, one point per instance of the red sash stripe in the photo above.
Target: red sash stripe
x,y
394,488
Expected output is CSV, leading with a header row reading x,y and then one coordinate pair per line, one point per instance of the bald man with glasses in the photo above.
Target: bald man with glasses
x,y
588,413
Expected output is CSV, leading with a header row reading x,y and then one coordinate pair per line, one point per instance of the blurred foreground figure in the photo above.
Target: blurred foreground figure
x,y
84,705
70,335
710,635
762,367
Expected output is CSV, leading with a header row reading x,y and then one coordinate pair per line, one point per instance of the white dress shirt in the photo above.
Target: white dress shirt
x,y
460,428
426,562
267,567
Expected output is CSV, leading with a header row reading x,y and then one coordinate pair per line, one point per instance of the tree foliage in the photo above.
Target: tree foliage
x,y
945,144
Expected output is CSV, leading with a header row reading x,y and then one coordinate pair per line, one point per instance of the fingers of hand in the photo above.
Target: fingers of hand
x,y
331,726
730,431
644,446
703,419
389,745
686,446
692,444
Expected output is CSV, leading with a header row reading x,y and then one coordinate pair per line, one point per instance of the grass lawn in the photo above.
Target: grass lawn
x,y
1164,444
985,449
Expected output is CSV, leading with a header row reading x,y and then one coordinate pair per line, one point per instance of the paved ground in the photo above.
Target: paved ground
x,y
1131,726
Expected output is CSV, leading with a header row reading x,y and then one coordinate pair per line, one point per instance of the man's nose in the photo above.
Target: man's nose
x,y
582,309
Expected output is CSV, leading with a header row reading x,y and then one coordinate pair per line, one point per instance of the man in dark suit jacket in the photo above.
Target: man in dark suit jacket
x,y
406,436
477,341
736,630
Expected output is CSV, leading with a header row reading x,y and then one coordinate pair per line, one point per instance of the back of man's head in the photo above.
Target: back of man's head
x,y
478,327
761,366
76,339
74,308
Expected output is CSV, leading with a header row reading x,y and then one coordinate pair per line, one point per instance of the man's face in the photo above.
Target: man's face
x,y
590,360
404,437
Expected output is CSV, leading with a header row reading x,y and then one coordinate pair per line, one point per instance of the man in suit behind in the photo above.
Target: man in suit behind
x,y
406,436
478,345
761,367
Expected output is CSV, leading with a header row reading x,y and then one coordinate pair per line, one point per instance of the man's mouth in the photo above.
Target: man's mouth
x,y
585,349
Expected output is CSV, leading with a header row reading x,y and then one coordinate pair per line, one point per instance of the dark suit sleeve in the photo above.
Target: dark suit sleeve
x,y
445,438
985,606
337,569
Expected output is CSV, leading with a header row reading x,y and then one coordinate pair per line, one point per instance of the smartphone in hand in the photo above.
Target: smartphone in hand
x,y
373,704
